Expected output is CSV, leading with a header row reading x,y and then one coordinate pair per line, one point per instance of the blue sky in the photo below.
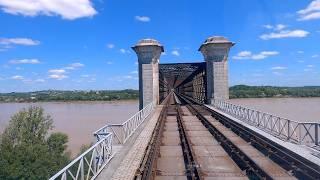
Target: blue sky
x,y
81,44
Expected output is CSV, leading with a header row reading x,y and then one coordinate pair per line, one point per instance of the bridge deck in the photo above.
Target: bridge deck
x,y
211,158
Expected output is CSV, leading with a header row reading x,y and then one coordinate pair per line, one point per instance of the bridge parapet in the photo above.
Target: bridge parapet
x,y
90,163
303,133
122,132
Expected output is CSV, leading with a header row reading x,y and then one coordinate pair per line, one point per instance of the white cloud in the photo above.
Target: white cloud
x,y
134,72
17,77
279,68
74,66
268,26
311,12
77,65
25,61
110,46
244,54
67,9
259,56
285,34
142,18
57,71
300,61
300,52
269,53
19,41
277,27
315,56
109,62
175,53
124,51
57,76
310,66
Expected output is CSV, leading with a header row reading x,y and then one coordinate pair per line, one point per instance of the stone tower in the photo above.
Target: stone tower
x,y
215,51
148,52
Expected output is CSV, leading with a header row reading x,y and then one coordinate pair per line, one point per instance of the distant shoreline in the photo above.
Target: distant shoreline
x,y
236,92
76,101
136,100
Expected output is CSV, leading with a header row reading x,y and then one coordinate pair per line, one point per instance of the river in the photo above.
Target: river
x,y
77,119
80,119
297,109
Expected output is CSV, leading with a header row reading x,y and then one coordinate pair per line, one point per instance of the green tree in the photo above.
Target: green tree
x,y
27,150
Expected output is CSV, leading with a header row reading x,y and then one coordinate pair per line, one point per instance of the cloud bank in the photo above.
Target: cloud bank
x,y
67,9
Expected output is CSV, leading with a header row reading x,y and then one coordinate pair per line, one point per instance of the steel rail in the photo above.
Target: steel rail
x,y
192,167
244,162
299,166
146,169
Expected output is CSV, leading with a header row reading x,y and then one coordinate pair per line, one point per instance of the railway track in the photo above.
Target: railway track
x,y
190,143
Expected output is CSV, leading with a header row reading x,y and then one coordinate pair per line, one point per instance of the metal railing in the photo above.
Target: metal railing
x,y
90,163
304,133
122,132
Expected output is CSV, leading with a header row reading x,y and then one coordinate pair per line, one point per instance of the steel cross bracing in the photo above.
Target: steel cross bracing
x,y
176,73
186,78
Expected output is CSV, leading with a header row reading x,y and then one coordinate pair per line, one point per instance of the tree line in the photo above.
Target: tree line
x,y
238,91
55,95
244,91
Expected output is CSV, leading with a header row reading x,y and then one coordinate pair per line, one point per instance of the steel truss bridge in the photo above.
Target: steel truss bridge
x,y
191,140
187,129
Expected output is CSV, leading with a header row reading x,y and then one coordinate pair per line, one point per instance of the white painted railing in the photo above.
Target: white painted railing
x,y
90,163
306,133
122,132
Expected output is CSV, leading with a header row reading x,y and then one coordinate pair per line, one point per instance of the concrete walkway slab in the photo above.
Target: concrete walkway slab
x,y
125,163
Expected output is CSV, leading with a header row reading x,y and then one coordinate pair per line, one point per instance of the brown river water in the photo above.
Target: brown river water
x,y
77,119
80,119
